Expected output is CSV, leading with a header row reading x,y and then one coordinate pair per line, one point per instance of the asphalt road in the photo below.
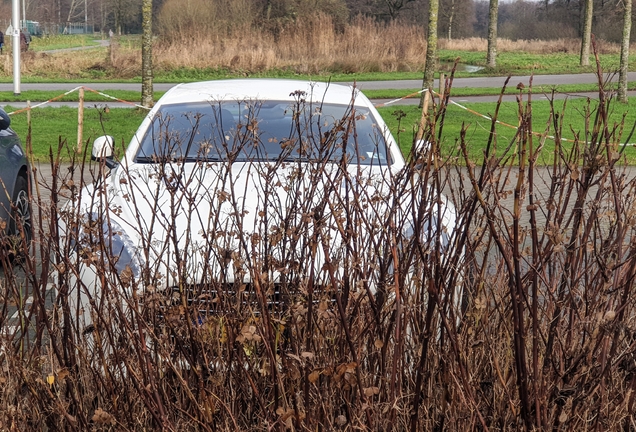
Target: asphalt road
x,y
476,82
539,82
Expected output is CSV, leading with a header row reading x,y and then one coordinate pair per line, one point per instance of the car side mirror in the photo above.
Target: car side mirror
x,y
5,120
103,150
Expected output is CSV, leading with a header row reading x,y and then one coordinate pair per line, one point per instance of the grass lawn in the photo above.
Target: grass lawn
x,y
59,96
135,96
50,125
572,112
55,42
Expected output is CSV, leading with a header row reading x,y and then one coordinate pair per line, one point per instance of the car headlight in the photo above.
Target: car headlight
x,y
117,243
429,233
122,247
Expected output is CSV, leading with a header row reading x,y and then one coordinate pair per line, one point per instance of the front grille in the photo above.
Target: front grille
x,y
200,301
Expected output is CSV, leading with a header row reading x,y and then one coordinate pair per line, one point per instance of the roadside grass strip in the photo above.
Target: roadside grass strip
x,y
117,99
120,127
41,104
484,116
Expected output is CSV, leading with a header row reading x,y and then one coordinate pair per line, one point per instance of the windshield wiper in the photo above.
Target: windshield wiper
x,y
199,159
146,159
158,159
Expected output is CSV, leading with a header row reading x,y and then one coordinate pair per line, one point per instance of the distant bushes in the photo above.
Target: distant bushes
x,y
200,19
179,20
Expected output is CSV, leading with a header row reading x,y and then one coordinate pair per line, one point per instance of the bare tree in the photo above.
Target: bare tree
x,y
123,14
456,18
491,57
587,33
74,11
627,28
146,54
268,9
451,16
384,9
395,6
431,47
118,13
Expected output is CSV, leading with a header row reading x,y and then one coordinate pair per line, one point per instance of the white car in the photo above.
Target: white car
x,y
239,193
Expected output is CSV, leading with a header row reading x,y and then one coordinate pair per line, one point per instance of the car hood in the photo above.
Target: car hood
x,y
203,220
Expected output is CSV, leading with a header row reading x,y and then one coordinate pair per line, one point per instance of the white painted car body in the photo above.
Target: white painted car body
x,y
219,216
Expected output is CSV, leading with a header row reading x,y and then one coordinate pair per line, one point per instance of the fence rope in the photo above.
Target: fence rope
x,y
116,99
391,102
56,98
44,103
538,134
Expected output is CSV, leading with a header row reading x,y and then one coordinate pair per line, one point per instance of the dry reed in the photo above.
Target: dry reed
x,y
309,45
567,46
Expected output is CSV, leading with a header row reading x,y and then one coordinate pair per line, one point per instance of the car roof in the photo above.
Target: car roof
x,y
262,89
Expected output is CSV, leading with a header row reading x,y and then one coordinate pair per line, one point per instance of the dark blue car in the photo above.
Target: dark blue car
x,y
15,210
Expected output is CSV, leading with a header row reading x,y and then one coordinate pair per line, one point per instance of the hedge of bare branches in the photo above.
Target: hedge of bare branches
x,y
338,317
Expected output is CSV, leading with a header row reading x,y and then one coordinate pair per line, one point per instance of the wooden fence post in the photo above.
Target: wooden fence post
x,y
420,131
29,148
80,120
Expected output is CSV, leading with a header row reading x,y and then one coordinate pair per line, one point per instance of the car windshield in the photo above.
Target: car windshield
x,y
261,131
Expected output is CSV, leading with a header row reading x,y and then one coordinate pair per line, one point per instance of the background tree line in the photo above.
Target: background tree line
x,y
543,20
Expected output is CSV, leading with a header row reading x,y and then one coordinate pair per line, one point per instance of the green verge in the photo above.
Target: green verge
x,y
569,89
36,96
50,126
571,112
508,63
524,63
55,42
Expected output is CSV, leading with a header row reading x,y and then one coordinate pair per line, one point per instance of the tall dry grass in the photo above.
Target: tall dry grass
x,y
307,46
568,46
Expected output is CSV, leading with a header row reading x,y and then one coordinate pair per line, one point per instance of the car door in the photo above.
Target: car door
x,y
12,160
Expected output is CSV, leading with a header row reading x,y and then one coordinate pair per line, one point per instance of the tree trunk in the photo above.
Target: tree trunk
x,y
72,11
491,56
587,33
450,20
118,17
431,47
146,54
627,28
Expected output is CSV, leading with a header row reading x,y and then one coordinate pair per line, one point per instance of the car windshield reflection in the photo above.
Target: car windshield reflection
x,y
263,131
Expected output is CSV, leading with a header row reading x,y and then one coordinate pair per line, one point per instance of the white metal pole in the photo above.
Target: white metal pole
x,y
15,42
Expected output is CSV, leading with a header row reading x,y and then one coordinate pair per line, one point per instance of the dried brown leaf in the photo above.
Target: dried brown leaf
x,y
370,391
314,376
103,417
